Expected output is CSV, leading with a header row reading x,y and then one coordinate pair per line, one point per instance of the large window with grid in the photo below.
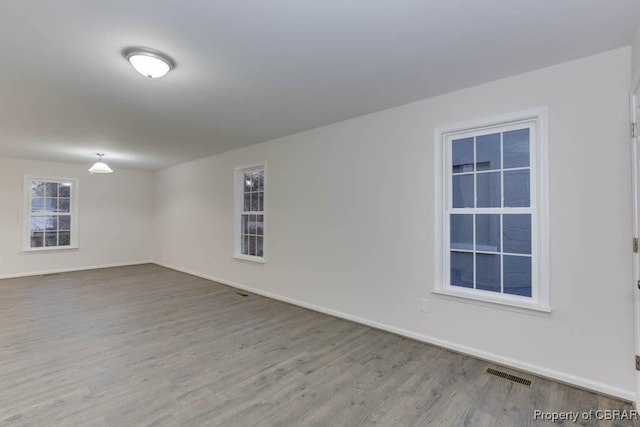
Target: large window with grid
x,y
250,212
51,214
493,230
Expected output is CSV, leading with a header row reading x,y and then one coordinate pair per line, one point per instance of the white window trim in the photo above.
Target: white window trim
x,y
238,186
539,300
26,225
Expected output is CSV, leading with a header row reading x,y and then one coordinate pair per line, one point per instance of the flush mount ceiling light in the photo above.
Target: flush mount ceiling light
x,y
100,166
149,62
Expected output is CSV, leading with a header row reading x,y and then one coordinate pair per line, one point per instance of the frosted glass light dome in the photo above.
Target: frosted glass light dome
x,y
149,62
100,166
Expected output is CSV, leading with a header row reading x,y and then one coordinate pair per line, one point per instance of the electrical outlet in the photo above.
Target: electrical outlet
x,y
424,305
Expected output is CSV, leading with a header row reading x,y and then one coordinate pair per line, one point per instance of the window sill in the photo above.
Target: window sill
x,y
504,303
50,249
256,259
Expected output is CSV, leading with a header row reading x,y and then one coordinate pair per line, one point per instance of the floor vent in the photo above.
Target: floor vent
x,y
509,377
242,294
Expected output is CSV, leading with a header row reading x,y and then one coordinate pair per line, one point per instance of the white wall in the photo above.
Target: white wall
x,y
351,223
635,56
115,218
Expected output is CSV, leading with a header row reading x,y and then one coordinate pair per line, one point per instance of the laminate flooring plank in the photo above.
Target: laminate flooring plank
x,y
373,377
99,421
149,346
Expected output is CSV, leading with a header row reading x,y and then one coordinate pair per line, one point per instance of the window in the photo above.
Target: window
x,y
250,213
51,213
493,222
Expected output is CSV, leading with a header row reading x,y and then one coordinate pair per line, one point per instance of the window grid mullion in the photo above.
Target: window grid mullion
x,y
501,253
501,211
475,284
480,172
475,205
55,214
252,194
502,168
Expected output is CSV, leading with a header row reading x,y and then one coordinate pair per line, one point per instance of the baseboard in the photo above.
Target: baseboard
x,y
67,270
627,395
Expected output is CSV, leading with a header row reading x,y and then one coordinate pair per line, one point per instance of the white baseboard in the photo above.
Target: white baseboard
x,y
67,270
606,389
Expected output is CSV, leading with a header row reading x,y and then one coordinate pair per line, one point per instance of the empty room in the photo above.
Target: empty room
x,y
319,213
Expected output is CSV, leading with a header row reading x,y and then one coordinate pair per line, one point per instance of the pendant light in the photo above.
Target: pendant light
x,y
100,166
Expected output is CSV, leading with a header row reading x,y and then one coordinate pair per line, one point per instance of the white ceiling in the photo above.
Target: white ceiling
x,y
252,70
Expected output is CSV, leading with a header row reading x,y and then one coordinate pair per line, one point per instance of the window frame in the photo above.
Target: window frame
x,y
238,185
539,300
27,214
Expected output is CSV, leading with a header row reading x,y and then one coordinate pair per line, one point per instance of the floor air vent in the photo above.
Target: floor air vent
x,y
509,377
242,294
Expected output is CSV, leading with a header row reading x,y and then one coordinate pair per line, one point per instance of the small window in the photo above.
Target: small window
x,y
493,233
250,201
51,213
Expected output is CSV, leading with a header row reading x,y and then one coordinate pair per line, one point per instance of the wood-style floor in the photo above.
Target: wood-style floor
x,y
145,345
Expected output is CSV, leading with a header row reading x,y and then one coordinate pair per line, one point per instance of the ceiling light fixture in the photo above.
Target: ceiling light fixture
x,y
100,166
149,62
